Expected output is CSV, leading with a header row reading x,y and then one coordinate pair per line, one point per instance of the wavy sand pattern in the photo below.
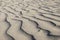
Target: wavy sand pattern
x,y
29,20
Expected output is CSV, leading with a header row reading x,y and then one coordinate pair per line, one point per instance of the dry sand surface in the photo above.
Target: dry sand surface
x,y
29,19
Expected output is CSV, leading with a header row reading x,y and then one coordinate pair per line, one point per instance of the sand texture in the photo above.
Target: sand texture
x,y
29,19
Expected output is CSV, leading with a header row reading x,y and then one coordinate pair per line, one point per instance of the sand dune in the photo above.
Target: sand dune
x,y
29,20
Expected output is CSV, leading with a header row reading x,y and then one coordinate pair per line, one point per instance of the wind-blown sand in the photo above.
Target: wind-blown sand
x,y
29,19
